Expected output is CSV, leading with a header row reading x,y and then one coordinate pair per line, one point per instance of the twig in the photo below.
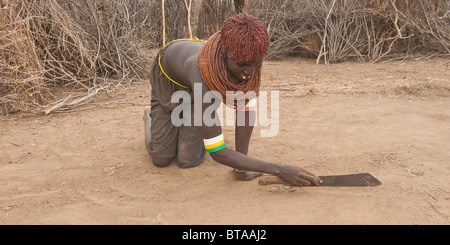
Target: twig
x,y
74,102
439,212
432,196
325,31
394,39
163,23
188,8
58,105
409,172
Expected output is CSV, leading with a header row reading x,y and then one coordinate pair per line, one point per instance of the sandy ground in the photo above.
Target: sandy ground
x,y
389,119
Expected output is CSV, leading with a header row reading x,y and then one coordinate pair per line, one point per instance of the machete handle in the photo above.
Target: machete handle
x,y
272,180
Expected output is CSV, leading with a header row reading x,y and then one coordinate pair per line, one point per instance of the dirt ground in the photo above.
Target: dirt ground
x,y
389,119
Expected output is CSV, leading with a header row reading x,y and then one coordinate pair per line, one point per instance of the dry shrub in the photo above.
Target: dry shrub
x,y
76,46
211,16
87,46
21,77
367,30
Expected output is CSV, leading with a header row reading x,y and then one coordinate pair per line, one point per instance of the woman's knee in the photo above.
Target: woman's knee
x,y
161,162
189,160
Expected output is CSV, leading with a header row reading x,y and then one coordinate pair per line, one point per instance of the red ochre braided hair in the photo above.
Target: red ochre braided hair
x,y
243,38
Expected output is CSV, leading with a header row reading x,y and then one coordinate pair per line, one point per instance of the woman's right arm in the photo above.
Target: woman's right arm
x,y
213,137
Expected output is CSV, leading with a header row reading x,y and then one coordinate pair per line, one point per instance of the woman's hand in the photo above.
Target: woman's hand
x,y
298,176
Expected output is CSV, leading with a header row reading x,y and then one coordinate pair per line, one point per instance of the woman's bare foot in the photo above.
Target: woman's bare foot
x,y
245,175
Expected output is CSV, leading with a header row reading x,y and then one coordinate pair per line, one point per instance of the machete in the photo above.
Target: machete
x,y
362,179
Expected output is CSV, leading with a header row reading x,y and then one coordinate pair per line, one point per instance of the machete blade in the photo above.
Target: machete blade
x,y
361,179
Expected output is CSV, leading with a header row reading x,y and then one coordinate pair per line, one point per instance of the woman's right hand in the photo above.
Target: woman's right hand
x,y
298,176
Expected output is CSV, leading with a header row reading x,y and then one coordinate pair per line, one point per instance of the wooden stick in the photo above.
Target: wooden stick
x,y
188,8
323,48
164,23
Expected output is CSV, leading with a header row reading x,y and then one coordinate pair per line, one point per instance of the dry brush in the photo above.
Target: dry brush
x,y
77,46
83,47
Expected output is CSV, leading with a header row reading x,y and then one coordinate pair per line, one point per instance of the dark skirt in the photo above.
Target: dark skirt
x,y
167,140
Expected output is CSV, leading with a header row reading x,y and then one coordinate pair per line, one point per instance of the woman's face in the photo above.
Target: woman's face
x,y
244,71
